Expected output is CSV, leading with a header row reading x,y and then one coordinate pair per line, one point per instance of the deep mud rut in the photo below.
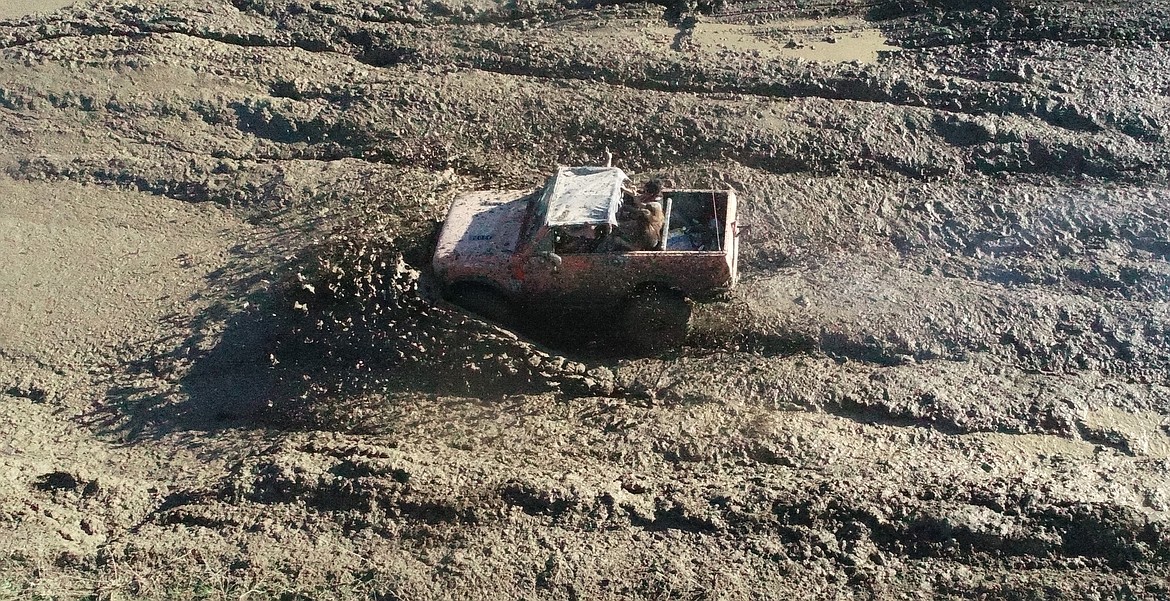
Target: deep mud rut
x,y
945,372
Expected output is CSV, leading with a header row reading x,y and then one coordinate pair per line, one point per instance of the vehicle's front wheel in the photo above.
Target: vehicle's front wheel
x,y
484,301
656,320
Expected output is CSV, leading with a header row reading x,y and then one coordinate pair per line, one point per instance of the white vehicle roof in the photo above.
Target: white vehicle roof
x,y
584,195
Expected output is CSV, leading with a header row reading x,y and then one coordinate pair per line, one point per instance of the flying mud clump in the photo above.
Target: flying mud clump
x,y
361,326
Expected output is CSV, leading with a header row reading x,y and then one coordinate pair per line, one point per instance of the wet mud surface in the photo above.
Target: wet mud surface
x,y
945,372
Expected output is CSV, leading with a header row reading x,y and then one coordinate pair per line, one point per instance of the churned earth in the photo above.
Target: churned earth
x,y
224,374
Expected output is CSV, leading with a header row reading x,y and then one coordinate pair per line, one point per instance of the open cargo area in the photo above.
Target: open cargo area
x,y
695,220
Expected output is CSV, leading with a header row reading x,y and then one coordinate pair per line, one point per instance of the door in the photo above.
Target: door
x,y
574,278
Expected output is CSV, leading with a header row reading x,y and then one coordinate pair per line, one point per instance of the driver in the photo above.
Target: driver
x,y
640,219
578,239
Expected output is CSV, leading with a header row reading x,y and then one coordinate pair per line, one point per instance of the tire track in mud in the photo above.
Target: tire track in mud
x,y
1021,271
992,524
865,85
298,137
1067,23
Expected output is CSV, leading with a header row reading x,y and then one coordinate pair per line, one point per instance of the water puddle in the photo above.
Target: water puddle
x,y
828,40
1143,434
15,9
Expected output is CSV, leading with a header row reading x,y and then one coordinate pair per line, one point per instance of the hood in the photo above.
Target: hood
x,y
481,225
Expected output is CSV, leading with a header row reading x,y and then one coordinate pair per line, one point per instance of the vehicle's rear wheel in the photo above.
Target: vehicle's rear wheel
x,y
485,301
656,321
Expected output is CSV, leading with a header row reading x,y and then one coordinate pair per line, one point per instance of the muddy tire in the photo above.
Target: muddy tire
x,y
483,301
656,321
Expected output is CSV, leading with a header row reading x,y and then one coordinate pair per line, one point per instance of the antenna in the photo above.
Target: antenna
x,y
715,213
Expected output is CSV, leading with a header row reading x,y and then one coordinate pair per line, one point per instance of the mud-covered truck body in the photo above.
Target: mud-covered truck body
x,y
549,248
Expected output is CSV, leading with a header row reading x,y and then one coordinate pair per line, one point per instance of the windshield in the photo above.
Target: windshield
x,y
537,211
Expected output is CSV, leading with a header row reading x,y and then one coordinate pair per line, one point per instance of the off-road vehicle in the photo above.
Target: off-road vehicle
x,y
504,254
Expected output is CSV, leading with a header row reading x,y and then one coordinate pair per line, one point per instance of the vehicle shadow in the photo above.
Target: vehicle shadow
x,y
211,368
580,334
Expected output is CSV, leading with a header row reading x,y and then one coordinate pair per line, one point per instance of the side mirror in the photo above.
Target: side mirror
x,y
553,258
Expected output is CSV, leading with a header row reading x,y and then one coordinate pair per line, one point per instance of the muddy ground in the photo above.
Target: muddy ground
x,y
945,372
